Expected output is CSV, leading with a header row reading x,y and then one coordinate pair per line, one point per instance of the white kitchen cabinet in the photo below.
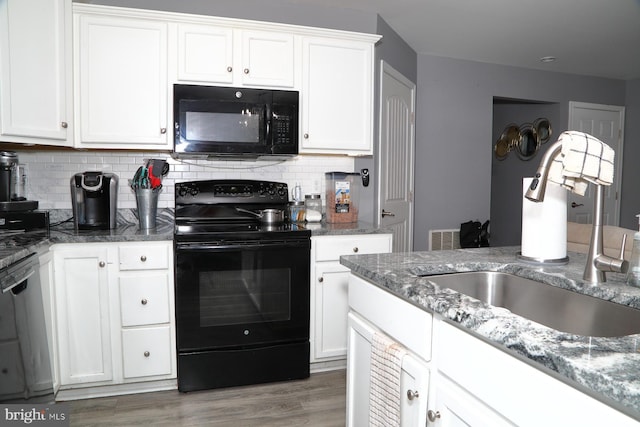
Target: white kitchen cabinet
x,y
121,89
508,390
472,383
414,378
329,283
219,54
35,72
337,96
115,327
84,352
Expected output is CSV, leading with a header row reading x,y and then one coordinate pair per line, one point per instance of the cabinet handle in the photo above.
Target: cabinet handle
x,y
246,71
320,279
101,264
355,250
64,125
229,69
163,130
433,415
305,136
412,394
144,301
147,354
143,258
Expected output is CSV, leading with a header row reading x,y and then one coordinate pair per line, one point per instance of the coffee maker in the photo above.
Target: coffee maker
x,y
12,182
94,200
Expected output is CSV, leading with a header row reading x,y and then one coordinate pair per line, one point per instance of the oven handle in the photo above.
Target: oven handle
x,y
205,246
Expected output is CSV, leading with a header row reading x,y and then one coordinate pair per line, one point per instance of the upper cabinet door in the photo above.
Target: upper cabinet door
x,y
219,54
35,71
267,59
337,101
121,82
205,53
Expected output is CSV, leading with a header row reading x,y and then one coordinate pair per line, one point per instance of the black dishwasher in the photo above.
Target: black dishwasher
x,y
25,362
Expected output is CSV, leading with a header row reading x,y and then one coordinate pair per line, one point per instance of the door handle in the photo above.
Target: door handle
x,y
386,213
575,205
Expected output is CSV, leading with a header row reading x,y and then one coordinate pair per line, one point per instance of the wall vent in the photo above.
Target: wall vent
x,y
444,239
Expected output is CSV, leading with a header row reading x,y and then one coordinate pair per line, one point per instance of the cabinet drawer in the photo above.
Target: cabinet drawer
x,y
409,325
146,351
144,300
330,248
144,257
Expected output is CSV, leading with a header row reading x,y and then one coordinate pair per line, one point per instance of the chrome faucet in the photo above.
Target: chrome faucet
x,y
597,262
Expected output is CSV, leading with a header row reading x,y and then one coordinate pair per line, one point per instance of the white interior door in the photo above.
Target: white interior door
x,y
605,122
395,155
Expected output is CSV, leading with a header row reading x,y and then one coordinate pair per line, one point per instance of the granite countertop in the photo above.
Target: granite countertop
x,y
62,231
606,368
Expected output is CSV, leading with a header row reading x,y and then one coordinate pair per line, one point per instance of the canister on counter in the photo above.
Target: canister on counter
x,y
297,211
342,196
313,205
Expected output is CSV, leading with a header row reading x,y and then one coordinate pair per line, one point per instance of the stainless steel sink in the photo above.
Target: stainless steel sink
x,y
556,308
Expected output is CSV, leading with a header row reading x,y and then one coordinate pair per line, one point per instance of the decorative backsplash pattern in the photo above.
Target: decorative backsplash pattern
x,y
49,173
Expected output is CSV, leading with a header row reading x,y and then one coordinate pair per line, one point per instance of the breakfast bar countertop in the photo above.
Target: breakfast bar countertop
x,y
605,368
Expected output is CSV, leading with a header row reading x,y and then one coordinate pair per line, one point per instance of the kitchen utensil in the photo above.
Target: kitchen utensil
x,y
266,216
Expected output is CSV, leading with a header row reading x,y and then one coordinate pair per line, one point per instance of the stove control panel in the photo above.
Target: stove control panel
x,y
230,191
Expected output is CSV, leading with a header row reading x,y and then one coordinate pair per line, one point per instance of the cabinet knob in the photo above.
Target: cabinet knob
x,y
101,264
144,301
64,125
246,71
305,136
229,69
433,415
147,354
411,394
355,250
320,279
143,258
163,130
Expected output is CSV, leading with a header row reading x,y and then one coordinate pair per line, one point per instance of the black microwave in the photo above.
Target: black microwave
x,y
212,121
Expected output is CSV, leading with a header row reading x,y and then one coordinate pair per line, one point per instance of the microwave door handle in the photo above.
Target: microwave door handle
x,y
267,120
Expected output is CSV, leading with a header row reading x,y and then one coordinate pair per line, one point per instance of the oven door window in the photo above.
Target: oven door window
x,y
251,294
241,296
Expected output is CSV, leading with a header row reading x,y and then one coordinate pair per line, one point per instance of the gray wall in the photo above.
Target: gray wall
x,y
507,174
630,201
454,131
397,53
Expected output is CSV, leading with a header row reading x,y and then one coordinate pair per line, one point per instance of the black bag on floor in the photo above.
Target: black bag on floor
x,y
473,234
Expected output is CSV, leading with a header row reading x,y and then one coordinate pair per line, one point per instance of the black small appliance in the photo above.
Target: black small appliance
x,y
239,123
10,183
94,200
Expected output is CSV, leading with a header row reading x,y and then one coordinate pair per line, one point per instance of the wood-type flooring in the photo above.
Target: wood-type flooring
x,y
318,401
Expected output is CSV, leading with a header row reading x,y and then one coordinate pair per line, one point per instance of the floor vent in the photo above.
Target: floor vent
x,y
444,239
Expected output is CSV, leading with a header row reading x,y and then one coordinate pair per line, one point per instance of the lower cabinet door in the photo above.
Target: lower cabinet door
x,y
414,379
146,351
454,407
414,387
331,308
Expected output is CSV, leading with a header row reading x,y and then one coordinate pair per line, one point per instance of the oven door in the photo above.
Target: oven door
x,y
241,294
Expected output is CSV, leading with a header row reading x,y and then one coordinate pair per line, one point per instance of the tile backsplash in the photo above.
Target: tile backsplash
x,y
49,173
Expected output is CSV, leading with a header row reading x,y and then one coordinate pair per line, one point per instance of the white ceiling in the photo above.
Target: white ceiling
x,y
589,37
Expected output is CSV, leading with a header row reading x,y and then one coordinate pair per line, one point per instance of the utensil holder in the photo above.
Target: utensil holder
x,y
147,201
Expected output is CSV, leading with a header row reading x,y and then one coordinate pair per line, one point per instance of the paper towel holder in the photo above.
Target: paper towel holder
x,y
557,261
